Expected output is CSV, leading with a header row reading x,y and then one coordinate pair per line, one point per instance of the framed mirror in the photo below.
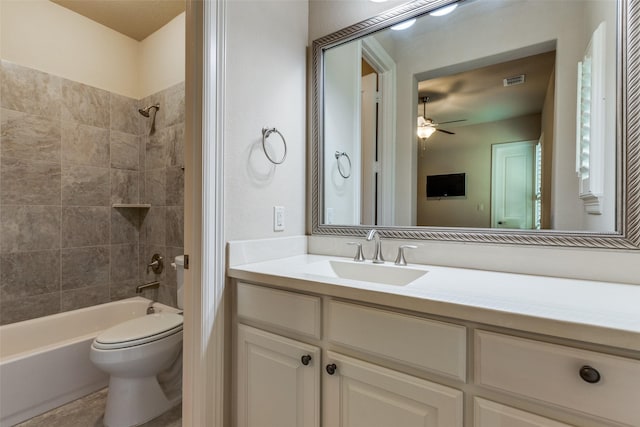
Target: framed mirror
x,y
522,133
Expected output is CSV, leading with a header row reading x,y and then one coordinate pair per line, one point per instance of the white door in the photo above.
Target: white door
x,y
360,394
275,386
492,414
512,185
369,149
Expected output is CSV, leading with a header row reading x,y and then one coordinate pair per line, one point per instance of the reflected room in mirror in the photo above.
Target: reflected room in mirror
x,y
522,96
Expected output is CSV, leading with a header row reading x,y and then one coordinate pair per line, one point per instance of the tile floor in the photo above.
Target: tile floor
x,y
88,412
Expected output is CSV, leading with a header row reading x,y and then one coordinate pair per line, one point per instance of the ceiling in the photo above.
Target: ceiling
x,y
134,18
479,96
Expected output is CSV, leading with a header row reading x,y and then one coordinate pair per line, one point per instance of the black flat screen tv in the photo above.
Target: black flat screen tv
x,y
451,185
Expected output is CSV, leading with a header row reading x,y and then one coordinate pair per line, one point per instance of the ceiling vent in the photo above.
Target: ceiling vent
x,y
514,80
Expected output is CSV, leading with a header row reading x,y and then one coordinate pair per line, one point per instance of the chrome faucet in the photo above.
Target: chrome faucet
x,y
377,253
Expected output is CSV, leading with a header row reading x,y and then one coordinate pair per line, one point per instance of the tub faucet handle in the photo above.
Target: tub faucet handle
x,y
156,264
400,258
359,257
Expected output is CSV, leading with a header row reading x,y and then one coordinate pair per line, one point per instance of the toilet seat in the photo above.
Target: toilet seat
x,y
139,331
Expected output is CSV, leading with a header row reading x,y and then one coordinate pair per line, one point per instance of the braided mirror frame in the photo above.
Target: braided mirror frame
x,y
627,235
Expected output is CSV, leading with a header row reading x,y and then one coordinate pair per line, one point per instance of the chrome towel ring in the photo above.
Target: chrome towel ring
x,y
343,154
265,134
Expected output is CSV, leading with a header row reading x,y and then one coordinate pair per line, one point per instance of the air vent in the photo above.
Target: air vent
x,y
514,80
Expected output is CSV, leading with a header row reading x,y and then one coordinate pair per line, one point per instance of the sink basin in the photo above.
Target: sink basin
x,y
366,272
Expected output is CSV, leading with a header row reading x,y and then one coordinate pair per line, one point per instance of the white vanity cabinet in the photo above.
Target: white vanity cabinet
x,y
360,394
596,384
274,387
278,381
377,366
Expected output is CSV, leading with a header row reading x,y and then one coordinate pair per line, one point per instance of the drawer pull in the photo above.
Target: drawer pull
x,y
305,359
331,368
589,374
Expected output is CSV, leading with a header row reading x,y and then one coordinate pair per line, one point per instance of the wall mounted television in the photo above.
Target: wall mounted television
x,y
450,185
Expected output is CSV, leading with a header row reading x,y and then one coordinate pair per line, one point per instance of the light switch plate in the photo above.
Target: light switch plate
x,y
278,218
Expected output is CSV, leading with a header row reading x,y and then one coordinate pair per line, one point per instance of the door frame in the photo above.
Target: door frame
x,y
204,338
379,59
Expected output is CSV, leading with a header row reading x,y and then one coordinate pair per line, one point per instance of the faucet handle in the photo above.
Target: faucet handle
x,y
400,258
359,255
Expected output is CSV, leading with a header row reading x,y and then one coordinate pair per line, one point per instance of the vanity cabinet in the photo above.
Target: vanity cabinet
x,y
278,381
360,394
596,384
309,360
275,388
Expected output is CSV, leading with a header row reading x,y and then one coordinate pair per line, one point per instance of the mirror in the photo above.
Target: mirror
x,y
525,119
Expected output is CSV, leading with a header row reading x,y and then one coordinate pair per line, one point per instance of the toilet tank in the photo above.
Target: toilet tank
x,y
179,262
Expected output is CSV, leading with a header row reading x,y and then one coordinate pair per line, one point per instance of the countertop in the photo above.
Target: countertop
x,y
595,312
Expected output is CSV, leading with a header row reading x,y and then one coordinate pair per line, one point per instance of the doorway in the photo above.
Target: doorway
x,y
512,185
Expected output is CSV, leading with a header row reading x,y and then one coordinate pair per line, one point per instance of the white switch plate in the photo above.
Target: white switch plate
x,y
330,214
278,218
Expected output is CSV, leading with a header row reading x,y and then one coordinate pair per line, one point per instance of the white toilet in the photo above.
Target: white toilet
x,y
143,356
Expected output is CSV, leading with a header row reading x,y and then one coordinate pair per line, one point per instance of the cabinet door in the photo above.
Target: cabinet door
x,y
275,388
360,394
492,414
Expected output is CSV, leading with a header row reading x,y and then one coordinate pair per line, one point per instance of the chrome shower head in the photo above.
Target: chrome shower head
x,y
145,111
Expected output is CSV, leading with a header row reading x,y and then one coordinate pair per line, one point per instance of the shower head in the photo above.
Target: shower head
x,y
145,111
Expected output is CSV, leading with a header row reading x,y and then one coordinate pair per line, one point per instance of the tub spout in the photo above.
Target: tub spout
x,y
144,286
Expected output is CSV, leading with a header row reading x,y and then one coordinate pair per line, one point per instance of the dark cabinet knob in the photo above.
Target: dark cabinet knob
x,y
589,374
331,368
305,359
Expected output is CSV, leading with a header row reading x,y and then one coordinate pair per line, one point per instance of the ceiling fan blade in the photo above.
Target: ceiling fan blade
x,y
445,131
452,121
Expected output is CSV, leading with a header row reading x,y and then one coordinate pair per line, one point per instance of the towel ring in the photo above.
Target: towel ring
x,y
343,154
265,134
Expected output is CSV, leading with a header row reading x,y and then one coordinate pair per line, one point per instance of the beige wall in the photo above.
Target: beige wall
x,y
43,35
468,151
161,57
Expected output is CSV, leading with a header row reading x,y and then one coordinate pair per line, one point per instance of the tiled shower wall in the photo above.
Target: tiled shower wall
x,y
67,153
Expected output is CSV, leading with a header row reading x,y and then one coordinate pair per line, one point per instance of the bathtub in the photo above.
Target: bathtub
x,y
44,362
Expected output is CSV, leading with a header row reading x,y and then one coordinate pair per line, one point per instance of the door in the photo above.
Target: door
x,y
275,386
512,185
360,394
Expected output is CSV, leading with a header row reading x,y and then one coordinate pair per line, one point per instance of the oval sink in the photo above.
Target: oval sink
x,y
366,272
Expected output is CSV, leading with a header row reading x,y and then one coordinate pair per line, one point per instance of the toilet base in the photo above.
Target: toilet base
x,y
134,401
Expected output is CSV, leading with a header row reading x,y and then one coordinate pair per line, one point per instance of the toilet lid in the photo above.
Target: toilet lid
x,y
140,330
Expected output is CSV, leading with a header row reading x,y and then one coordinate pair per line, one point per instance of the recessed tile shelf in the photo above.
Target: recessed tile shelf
x,y
132,205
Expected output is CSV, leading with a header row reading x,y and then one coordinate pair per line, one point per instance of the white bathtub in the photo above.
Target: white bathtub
x,y
44,362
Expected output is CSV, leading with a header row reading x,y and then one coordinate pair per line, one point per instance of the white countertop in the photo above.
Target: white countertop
x,y
595,312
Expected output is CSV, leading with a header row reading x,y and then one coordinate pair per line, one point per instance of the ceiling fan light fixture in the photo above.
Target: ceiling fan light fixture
x,y
404,25
444,10
425,129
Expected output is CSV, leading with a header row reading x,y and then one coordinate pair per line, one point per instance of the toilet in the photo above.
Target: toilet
x,y
143,357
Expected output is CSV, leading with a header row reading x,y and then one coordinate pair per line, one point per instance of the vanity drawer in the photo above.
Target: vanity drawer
x,y
426,344
491,414
551,373
281,309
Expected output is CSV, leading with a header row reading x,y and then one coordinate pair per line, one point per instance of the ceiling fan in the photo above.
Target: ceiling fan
x,y
427,126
